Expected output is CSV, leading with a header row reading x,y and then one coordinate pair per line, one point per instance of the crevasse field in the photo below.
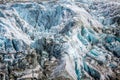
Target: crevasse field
x,y
60,40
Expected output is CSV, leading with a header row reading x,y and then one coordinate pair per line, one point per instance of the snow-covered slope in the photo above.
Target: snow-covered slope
x,y
60,40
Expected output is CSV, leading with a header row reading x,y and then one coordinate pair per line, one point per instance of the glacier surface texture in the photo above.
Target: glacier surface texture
x,y
60,40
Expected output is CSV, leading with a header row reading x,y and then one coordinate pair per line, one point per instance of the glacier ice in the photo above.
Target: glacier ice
x,y
60,40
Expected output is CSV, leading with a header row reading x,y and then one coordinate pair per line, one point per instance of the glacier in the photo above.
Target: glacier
x,y
60,40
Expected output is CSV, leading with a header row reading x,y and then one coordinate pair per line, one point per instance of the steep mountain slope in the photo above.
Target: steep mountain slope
x,y
60,40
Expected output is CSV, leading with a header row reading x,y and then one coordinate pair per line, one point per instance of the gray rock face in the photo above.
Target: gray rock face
x,y
60,40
